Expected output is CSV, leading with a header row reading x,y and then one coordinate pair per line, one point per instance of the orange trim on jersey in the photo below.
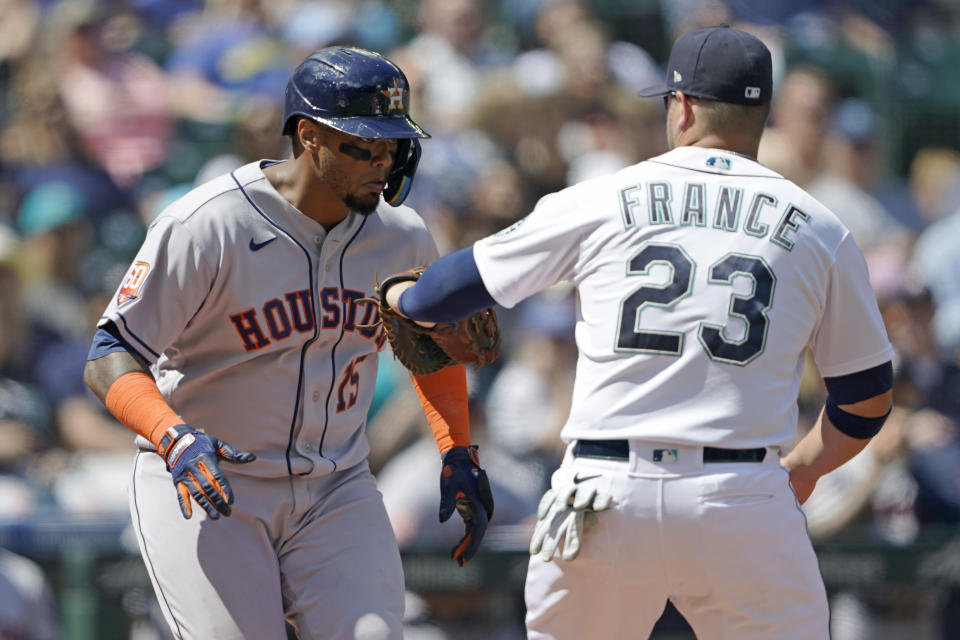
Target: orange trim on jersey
x,y
444,399
136,402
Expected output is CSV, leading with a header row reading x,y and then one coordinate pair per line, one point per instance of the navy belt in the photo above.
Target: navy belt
x,y
620,450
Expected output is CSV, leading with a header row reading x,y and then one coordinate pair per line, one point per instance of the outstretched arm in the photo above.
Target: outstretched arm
x,y
450,290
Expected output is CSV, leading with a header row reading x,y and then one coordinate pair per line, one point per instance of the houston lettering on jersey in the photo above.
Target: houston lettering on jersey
x,y
722,211
278,318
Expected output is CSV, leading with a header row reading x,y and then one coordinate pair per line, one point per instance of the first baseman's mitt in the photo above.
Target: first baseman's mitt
x,y
473,340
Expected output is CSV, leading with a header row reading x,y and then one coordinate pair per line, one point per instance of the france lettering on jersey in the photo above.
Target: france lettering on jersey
x,y
702,276
232,276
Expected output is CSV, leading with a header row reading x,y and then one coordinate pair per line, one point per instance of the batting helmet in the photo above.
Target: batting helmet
x,y
361,93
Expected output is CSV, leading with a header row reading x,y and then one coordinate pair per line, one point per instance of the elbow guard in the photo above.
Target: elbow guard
x,y
850,424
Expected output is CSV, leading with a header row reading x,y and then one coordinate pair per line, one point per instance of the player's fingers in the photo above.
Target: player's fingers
x,y
458,553
590,518
545,503
583,497
565,493
602,501
466,508
539,533
479,530
221,486
448,504
202,494
468,513
553,536
230,454
475,527
211,481
484,493
183,497
573,536
549,545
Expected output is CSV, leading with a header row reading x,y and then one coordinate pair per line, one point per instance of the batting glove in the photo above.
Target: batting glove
x,y
191,458
464,487
572,500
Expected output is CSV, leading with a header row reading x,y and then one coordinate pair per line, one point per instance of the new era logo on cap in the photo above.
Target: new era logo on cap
x,y
676,76
752,92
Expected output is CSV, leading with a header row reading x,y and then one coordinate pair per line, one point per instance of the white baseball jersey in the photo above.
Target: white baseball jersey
x,y
255,321
702,276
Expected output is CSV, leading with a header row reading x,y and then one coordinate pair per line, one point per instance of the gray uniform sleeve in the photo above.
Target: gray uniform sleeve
x,y
163,289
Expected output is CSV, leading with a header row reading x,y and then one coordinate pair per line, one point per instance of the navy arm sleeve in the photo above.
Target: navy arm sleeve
x,y
108,340
861,385
449,290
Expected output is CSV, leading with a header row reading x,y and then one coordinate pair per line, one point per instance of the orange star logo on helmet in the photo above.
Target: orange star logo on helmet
x,y
395,93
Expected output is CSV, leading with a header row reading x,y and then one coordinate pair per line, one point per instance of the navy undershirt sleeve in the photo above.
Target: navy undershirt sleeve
x,y
861,385
449,290
108,340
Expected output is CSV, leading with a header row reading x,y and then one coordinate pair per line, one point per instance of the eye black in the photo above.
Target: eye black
x,y
355,152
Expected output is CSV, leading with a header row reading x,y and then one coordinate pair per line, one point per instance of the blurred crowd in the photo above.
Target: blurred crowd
x,y
110,109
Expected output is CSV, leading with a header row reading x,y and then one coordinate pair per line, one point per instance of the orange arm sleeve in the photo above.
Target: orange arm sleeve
x,y
136,402
444,399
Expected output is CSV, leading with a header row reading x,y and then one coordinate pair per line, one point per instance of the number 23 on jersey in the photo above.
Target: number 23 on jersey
x,y
634,336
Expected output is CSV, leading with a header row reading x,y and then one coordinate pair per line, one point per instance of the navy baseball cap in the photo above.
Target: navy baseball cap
x,y
718,63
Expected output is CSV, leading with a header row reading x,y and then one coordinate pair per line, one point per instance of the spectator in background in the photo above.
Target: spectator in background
x,y
60,312
682,16
800,113
36,132
591,80
451,54
18,29
850,172
116,99
934,183
57,234
25,414
564,27
588,76
935,179
222,57
451,63
252,138
315,25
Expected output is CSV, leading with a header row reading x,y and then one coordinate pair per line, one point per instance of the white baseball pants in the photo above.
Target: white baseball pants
x,y
725,542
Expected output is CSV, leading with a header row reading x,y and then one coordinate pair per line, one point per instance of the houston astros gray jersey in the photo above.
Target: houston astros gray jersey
x,y
234,277
702,276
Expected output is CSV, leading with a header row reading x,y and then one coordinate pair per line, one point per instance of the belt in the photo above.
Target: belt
x,y
620,450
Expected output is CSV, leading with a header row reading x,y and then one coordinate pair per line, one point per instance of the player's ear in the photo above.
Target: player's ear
x,y
310,135
685,105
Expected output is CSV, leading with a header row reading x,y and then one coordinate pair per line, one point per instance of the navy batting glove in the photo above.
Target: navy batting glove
x,y
191,458
464,487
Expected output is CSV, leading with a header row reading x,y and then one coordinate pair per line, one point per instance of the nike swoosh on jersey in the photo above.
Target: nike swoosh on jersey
x,y
256,246
577,479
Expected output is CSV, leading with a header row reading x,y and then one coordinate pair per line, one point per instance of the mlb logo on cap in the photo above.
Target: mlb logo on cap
x,y
719,63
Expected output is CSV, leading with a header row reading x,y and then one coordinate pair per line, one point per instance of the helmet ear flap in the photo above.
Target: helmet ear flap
x,y
404,167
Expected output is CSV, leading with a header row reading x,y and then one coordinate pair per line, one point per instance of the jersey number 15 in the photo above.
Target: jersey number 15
x,y
752,309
